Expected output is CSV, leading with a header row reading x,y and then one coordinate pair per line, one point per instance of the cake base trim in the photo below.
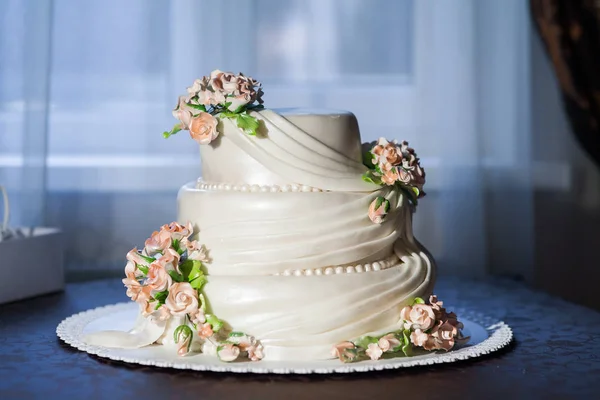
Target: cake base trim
x,y
488,334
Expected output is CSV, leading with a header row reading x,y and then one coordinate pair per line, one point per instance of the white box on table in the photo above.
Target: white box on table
x,y
32,265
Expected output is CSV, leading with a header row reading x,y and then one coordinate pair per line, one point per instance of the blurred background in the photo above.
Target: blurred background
x,y
87,88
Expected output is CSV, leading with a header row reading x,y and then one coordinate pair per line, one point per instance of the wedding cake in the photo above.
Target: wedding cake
x,y
296,243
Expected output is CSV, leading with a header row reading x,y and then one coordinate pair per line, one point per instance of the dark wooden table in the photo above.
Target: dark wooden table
x,y
556,354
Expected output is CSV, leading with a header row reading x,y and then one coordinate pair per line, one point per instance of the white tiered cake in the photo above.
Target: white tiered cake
x,y
307,243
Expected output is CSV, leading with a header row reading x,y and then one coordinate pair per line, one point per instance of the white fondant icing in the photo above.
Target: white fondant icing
x,y
265,233
316,312
144,332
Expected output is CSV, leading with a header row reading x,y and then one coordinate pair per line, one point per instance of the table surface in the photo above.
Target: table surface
x,y
556,354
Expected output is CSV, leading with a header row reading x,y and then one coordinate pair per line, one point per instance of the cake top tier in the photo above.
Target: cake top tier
x,y
244,143
320,149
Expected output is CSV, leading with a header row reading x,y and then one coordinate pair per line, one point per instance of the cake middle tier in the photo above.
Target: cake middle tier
x,y
257,233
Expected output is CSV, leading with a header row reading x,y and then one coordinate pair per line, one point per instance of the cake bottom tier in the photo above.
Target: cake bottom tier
x,y
303,317
299,317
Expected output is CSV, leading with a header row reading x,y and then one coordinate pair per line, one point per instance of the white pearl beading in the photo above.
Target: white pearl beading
x,y
345,269
244,187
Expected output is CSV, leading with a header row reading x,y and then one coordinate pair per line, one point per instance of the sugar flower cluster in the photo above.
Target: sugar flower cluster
x,y
219,95
224,87
431,326
166,279
392,164
395,162
426,326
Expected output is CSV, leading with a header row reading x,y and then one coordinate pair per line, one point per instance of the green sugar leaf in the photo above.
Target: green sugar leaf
x,y
191,271
386,205
149,260
198,282
161,296
370,177
176,276
202,302
379,201
200,107
173,131
418,300
367,177
227,114
143,268
364,341
214,322
247,123
175,245
186,267
406,346
182,332
368,159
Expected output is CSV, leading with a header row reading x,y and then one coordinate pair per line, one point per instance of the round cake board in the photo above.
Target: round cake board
x,y
486,335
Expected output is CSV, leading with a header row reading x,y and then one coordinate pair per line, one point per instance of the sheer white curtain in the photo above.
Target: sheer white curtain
x,y
87,89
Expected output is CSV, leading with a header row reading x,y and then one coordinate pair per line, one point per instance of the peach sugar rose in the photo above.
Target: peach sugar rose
x,y
135,290
182,299
157,243
226,82
418,316
169,260
178,231
195,251
134,257
203,128
157,278
390,176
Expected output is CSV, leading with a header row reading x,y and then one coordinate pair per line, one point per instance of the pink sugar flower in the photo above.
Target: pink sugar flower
x,y
255,352
388,342
374,351
345,351
205,331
